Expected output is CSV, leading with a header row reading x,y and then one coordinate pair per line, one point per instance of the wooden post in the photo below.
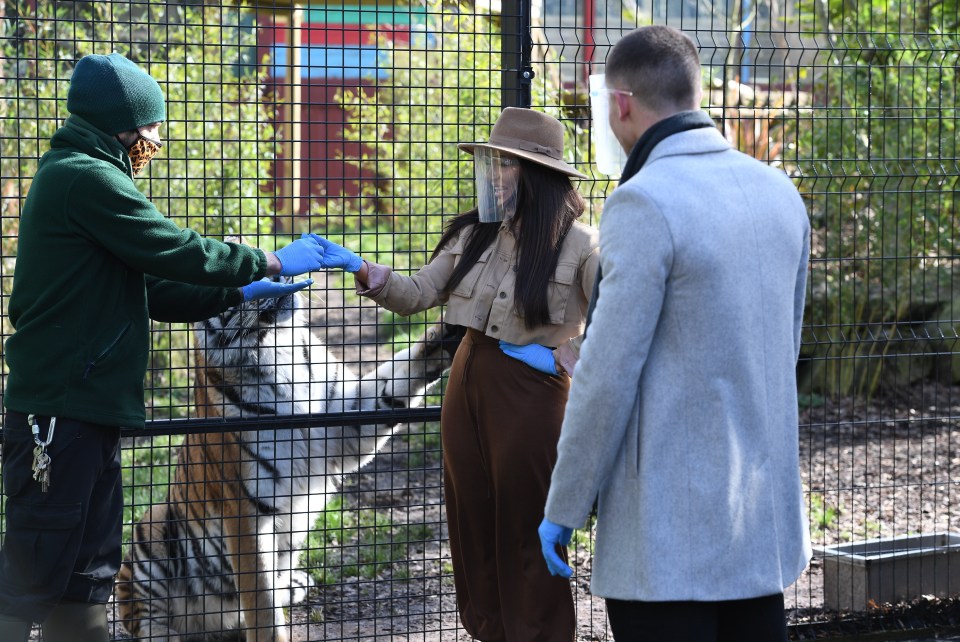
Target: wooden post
x,y
290,128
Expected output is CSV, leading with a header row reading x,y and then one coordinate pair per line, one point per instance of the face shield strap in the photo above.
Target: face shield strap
x,y
497,177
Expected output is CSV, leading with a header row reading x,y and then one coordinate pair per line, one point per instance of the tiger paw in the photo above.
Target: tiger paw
x,y
300,585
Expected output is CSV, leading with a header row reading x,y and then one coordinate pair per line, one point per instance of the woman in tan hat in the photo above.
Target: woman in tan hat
x,y
516,271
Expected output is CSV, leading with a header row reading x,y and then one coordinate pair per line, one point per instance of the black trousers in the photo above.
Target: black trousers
x,y
63,544
759,619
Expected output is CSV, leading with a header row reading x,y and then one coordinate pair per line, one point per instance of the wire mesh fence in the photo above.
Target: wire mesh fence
x,y
342,119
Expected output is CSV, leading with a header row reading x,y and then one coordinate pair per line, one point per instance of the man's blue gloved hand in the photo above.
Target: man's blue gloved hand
x,y
552,535
303,255
534,355
337,256
267,289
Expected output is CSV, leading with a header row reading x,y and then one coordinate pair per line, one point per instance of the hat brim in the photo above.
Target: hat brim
x,y
540,159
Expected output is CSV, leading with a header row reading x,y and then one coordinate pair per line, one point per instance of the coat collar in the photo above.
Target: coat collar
x,y
80,135
696,141
660,131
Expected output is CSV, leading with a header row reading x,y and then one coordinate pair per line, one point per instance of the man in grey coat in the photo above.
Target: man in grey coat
x,y
682,417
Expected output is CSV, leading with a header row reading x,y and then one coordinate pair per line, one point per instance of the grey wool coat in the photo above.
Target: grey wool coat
x,y
682,416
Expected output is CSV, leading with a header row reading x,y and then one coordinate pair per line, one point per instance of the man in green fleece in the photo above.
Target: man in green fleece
x,y
96,261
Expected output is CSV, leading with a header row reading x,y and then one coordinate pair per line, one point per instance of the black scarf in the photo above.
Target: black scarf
x,y
681,122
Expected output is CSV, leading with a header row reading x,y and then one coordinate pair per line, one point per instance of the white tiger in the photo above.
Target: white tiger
x,y
219,555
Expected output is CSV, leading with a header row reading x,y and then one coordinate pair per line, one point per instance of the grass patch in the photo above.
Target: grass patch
x,y
822,515
422,444
583,538
344,542
147,470
357,543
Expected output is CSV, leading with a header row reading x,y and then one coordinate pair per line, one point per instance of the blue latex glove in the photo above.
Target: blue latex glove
x,y
534,355
303,255
267,289
552,535
337,256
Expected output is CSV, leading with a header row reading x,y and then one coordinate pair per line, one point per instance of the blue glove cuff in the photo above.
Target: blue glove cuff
x,y
353,264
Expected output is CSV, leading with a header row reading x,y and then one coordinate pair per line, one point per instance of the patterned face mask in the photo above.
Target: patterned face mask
x,y
141,152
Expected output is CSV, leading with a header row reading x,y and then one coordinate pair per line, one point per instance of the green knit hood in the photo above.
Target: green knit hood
x,y
114,94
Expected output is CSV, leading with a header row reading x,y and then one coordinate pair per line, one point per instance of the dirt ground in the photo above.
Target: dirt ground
x,y
421,603
883,467
872,468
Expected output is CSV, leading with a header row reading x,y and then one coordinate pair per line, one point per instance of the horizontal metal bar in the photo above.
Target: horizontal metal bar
x,y
218,424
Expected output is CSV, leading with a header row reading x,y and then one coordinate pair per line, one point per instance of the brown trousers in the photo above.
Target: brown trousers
x,y
500,425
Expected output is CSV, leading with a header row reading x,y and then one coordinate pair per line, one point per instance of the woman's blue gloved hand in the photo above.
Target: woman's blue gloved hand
x,y
303,255
337,256
534,355
551,536
267,289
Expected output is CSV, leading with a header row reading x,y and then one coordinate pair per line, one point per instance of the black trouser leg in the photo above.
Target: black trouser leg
x,y
759,619
14,629
62,544
76,622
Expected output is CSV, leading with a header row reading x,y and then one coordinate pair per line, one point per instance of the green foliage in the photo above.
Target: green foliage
x,y
878,168
218,141
822,515
435,98
583,538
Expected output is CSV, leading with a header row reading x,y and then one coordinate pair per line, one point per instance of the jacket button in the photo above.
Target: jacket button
x,y
503,295
494,328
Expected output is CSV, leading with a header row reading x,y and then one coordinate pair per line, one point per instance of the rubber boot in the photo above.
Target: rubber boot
x,y
76,622
14,629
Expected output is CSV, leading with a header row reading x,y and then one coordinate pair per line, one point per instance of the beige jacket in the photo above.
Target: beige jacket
x,y
484,299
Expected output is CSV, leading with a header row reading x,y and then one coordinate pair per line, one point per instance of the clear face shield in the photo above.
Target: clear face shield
x,y
610,157
498,177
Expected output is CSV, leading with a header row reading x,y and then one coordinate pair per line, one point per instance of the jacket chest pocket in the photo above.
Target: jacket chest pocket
x,y
468,284
559,289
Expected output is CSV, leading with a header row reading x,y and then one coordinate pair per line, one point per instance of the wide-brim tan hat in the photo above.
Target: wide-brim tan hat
x,y
528,134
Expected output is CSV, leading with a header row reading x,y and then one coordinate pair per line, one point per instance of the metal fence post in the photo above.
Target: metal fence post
x,y
516,46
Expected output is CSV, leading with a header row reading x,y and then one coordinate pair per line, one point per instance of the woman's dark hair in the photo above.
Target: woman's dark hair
x,y
547,205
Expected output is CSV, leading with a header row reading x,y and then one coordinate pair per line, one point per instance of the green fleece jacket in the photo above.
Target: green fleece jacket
x,y
95,262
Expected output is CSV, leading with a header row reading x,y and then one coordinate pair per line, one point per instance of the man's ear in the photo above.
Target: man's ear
x,y
624,106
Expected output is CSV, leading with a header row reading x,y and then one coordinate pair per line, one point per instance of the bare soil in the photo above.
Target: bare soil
x,y
415,599
881,467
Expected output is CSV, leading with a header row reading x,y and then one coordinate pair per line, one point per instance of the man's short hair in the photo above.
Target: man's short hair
x,y
660,65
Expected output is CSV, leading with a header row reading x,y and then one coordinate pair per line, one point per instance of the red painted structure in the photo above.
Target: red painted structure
x,y
336,55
